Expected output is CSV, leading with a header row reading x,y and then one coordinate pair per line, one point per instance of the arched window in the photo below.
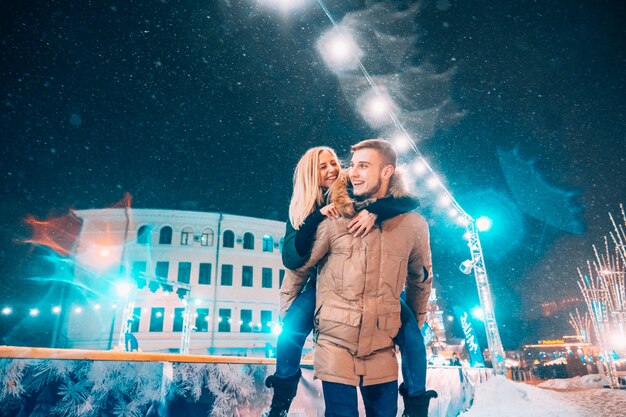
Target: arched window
x,y
268,243
248,240
186,236
165,236
144,235
229,239
207,237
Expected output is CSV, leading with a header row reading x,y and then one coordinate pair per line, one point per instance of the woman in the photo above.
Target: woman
x,y
316,171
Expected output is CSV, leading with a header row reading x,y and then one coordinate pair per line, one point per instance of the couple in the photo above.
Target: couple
x,y
350,253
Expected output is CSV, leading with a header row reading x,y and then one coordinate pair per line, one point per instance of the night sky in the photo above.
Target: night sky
x,y
208,105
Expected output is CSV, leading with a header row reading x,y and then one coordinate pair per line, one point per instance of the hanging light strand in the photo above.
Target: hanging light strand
x,y
397,123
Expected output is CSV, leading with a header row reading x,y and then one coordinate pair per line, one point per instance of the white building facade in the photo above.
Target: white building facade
x,y
227,268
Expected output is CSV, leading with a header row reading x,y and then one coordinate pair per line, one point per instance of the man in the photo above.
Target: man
x,y
130,341
358,290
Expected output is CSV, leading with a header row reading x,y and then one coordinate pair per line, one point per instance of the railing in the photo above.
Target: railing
x,y
24,352
87,382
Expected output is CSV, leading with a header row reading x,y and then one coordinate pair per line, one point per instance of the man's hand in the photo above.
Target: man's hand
x,y
361,225
330,211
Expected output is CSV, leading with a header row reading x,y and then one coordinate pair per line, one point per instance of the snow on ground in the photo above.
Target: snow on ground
x,y
574,397
587,381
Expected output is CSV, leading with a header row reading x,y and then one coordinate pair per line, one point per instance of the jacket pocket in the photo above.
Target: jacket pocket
x,y
341,325
389,323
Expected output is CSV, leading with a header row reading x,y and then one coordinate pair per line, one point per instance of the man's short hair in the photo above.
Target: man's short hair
x,y
383,146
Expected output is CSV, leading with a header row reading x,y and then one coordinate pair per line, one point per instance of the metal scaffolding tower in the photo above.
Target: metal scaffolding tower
x,y
496,351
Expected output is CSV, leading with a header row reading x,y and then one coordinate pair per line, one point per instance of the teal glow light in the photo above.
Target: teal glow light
x,y
478,313
483,223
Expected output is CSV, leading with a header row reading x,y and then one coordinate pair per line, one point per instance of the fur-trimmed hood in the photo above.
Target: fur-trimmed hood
x,y
340,193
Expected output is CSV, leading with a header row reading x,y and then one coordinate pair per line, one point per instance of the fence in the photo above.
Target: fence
x,y
77,383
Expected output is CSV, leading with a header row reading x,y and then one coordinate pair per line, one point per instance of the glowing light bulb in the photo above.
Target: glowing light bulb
x,y
339,50
420,167
478,313
432,182
378,106
463,221
483,223
444,200
401,142
123,289
277,329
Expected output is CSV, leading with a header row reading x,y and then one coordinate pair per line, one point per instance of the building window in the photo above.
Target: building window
x,y
268,243
162,270
202,319
224,320
248,241
184,272
165,236
185,236
156,319
245,325
204,276
144,234
246,276
227,275
138,272
281,243
281,277
207,238
266,278
266,321
179,317
134,321
229,239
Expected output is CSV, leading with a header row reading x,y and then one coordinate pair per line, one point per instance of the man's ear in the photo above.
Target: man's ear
x,y
388,171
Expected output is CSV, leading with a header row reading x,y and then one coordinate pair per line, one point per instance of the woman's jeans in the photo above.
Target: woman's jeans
x,y
298,323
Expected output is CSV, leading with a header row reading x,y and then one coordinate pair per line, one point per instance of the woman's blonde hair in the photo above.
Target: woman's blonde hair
x,y
308,194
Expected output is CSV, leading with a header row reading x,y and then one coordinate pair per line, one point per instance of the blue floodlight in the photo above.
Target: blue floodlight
x,y
478,313
277,329
483,223
123,289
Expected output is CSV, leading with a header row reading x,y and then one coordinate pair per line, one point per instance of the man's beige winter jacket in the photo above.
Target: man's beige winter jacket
x,y
358,288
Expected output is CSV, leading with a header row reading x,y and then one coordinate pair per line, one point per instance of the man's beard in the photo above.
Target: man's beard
x,y
368,194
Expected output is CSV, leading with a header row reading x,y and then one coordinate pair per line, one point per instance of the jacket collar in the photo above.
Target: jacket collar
x,y
340,193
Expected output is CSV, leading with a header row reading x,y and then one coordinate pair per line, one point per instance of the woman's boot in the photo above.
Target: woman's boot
x,y
416,405
284,392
